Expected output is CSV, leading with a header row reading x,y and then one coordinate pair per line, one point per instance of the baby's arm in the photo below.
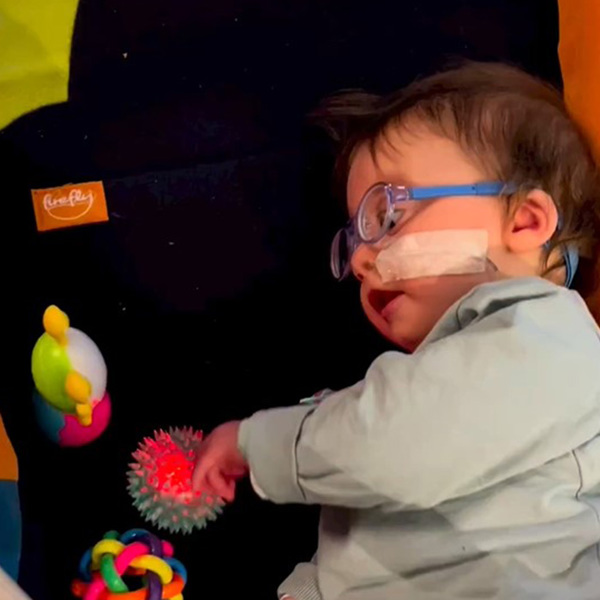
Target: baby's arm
x,y
496,399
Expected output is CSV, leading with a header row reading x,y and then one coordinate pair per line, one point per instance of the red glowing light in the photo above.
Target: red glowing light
x,y
174,472
160,481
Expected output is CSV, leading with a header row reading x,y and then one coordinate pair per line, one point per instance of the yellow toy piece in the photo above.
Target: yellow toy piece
x,y
84,414
56,323
78,388
156,565
105,546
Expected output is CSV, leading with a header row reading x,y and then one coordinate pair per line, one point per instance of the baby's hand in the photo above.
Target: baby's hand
x,y
219,463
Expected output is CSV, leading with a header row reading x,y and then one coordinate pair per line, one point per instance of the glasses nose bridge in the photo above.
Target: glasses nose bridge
x,y
394,194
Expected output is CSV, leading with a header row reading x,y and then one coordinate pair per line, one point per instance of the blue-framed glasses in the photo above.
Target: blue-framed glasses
x,y
382,205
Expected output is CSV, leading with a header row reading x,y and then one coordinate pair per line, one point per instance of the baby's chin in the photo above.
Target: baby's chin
x,y
402,331
405,339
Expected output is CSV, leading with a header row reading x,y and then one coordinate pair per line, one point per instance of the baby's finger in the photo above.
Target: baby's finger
x,y
200,470
229,491
220,485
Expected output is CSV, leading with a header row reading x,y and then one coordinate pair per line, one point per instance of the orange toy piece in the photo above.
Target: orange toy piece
x,y
579,53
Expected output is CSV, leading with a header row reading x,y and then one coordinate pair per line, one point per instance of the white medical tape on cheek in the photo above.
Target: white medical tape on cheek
x,y
434,253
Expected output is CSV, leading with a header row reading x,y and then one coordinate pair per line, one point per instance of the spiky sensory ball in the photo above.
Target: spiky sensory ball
x,y
160,482
137,553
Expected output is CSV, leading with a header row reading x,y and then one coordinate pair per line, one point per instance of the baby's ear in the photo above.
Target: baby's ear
x,y
531,223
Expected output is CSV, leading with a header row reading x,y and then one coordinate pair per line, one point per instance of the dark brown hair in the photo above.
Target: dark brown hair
x,y
512,124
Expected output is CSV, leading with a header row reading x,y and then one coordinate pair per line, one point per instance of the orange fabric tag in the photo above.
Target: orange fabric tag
x,y
69,205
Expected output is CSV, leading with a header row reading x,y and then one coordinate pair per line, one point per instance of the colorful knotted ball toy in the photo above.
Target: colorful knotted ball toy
x,y
71,402
160,482
136,554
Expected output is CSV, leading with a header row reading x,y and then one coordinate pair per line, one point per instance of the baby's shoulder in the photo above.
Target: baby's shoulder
x,y
522,310
535,297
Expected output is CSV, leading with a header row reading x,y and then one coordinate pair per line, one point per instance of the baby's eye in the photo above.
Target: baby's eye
x,y
381,217
397,217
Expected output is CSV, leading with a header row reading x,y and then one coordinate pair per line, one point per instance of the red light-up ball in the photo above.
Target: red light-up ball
x,y
160,482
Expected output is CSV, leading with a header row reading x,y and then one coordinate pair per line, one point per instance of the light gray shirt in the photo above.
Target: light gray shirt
x,y
469,469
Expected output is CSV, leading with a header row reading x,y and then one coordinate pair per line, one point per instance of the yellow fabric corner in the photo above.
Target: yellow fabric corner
x,y
9,470
35,54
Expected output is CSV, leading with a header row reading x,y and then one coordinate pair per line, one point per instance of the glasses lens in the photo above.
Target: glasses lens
x,y
374,214
341,253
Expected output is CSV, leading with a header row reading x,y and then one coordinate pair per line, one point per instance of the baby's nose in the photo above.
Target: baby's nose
x,y
363,261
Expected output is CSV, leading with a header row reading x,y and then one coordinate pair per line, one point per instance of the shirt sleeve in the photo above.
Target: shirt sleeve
x,y
256,487
503,395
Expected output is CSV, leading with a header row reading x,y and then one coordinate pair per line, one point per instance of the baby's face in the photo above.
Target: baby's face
x,y
405,311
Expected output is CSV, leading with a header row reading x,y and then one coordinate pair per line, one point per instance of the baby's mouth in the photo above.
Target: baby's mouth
x,y
382,300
